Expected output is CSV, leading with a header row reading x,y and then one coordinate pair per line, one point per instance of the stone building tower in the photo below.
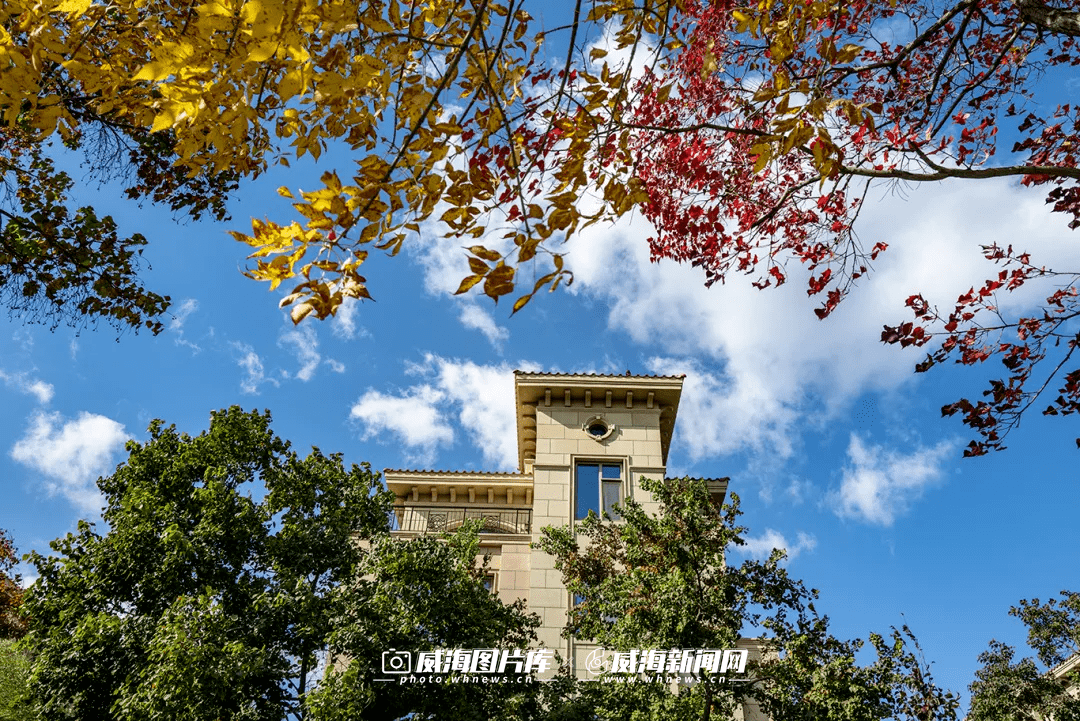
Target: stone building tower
x,y
584,443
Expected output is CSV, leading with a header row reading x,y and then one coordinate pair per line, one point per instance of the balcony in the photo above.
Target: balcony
x,y
439,519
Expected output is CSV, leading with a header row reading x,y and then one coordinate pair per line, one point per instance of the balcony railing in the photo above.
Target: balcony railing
x,y
437,519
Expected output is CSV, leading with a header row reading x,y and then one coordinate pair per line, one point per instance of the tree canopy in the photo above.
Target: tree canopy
x,y
663,582
199,600
12,623
239,580
232,572
748,135
1008,690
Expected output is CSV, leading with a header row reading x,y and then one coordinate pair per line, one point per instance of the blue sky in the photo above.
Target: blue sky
x,y
835,446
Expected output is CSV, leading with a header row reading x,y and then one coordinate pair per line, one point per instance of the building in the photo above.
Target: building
x,y
1066,670
584,442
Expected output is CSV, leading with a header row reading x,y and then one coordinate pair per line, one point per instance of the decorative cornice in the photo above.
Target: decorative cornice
x,y
542,374
603,392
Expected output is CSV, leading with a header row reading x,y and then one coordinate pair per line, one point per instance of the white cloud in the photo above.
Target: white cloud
x,y
343,323
479,398
477,318
483,396
760,365
27,573
23,383
336,366
798,489
412,417
445,263
180,316
255,374
442,258
880,484
71,453
762,546
305,346
720,414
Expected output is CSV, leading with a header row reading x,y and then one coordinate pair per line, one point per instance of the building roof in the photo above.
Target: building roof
x,y
1066,667
595,375
659,392
530,389
428,472
401,482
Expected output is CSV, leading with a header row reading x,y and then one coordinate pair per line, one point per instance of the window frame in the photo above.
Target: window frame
x,y
491,582
599,505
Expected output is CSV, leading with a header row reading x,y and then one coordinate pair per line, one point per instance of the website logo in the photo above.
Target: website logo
x,y
396,662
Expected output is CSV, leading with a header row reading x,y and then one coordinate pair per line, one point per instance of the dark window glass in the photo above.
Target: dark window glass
x,y
587,490
611,497
598,487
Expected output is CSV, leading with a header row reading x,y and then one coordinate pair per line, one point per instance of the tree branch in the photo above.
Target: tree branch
x,y
941,172
1050,19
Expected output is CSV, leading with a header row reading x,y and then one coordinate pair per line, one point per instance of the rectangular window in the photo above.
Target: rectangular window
x,y
597,487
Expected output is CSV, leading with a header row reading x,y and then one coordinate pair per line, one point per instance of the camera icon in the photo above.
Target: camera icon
x,y
394,661
595,662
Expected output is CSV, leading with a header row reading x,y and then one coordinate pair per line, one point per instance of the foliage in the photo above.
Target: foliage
x,y
222,89
233,570
56,263
1005,690
748,135
12,622
14,671
662,582
200,601
421,595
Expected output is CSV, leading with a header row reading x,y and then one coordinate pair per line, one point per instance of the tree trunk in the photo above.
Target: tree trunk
x,y
1054,20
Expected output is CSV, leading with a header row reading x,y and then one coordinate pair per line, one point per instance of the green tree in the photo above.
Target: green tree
x,y
421,595
14,671
210,594
14,662
231,572
12,622
1005,690
662,582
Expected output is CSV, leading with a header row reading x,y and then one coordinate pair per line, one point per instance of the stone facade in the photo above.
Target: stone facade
x,y
568,427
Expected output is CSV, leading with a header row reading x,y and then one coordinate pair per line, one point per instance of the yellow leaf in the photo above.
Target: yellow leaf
x,y
165,119
468,283
300,312
709,64
250,11
73,7
481,252
284,192
501,275
154,71
520,303
45,120
762,161
262,52
291,84
848,53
